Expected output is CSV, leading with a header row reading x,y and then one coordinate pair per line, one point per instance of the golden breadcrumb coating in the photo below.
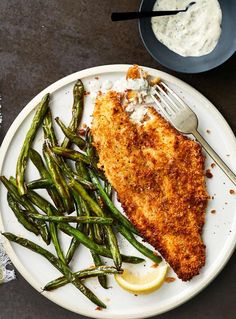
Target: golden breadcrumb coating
x,y
159,177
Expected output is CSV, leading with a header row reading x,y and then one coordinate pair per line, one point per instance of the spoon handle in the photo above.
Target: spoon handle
x,y
120,16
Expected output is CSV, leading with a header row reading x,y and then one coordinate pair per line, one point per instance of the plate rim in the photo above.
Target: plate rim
x,y
112,68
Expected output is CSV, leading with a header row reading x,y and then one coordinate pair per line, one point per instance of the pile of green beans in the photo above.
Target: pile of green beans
x,y
83,189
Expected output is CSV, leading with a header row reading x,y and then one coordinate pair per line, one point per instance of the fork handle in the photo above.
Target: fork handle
x,y
215,156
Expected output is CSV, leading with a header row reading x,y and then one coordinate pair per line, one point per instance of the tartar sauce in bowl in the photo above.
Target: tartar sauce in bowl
x,y
192,33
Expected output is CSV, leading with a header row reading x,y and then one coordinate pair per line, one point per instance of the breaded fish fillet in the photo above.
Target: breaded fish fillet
x,y
159,178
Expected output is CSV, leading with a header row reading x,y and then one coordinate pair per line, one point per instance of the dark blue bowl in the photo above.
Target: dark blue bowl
x,y
222,52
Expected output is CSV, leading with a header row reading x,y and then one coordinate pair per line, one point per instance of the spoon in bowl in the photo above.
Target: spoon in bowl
x,y
120,16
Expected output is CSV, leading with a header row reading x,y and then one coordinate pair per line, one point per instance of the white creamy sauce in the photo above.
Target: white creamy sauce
x,y
137,108
96,86
137,84
192,33
124,84
106,85
139,113
120,85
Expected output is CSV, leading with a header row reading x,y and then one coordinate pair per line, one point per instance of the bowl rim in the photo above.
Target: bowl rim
x,y
177,69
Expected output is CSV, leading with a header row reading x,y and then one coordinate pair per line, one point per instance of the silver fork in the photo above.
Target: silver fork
x,y
179,114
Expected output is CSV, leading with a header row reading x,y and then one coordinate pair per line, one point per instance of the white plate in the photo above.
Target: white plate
x,y
219,231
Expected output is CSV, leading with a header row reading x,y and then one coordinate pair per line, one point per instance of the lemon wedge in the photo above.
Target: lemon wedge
x,y
142,283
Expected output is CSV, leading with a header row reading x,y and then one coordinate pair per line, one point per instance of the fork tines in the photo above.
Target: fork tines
x,y
166,99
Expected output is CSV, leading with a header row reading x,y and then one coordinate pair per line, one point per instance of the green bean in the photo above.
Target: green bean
x,y
93,232
57,263
139,246
24,153
48,129
68,172
108,189
74,185
88,231
98,234
98,237
22,200
74,243
85,212
51,141
57,159
90,149
39,164
71,154
82,274
115,212
37,160
82,170
114,247
20,217
52,212
54,233
77,110
72,136
113,244
92,154
49,135
73,219
97,230
82,238
39,183
47,208
58,179
98,262
41,202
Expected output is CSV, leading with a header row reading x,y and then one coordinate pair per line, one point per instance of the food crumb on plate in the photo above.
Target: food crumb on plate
x,y
208,131
213,165
169,279
98,308
154,265
232,192
91,266
81,131
209,173
213,211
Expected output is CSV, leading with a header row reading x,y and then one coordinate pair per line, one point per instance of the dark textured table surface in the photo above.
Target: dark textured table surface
x,y
41,42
